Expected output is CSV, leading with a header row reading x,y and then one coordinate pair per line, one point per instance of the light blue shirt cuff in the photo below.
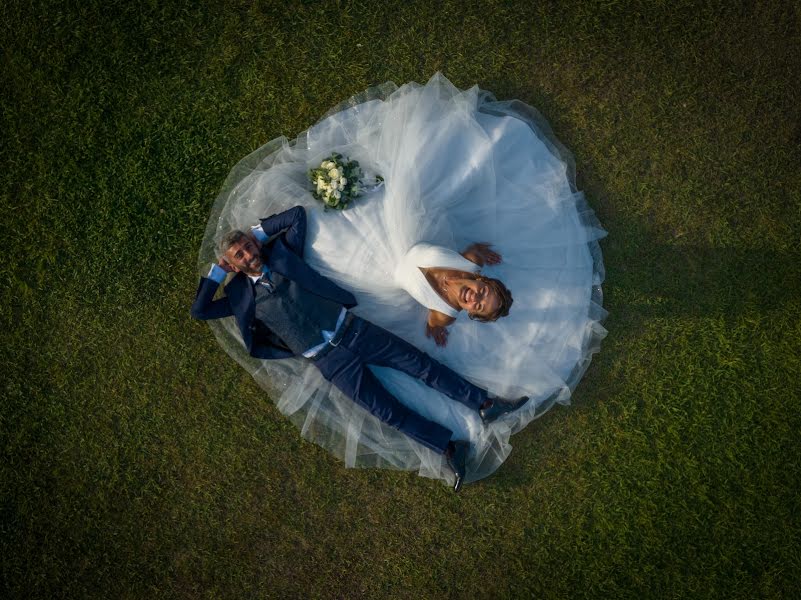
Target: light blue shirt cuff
x,y
217,273
257,231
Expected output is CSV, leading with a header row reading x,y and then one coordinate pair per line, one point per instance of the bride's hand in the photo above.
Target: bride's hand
x,y
481,254
439,333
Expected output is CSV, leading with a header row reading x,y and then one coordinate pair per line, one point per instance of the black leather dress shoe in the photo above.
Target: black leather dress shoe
x,y
456,456
500,407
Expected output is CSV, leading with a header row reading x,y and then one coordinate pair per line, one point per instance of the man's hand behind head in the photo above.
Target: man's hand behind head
x,y
223,264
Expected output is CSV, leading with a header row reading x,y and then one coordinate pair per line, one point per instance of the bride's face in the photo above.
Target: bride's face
x,y
244,255
477,298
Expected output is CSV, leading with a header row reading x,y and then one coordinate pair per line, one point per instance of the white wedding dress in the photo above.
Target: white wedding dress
x,y
459,167
422,256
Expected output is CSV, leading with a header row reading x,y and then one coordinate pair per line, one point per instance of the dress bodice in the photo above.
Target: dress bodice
x,y
410,277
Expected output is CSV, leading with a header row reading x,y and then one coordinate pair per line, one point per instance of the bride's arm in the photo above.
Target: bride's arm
x,y
436,326
480,254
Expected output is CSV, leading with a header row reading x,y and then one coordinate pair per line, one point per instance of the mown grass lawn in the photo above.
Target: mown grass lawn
x,y
139,461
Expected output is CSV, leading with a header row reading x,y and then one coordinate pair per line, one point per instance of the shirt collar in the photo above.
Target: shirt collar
x,y
255,278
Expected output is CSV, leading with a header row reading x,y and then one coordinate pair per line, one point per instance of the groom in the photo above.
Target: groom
x,y
285,308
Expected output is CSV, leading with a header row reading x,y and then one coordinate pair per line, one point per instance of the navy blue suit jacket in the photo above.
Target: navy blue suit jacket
x,y
284,255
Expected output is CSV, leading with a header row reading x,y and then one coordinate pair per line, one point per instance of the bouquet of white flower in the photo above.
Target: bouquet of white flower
x,y
337,181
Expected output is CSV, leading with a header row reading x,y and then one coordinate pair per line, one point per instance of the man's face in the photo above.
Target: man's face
x,y
244,255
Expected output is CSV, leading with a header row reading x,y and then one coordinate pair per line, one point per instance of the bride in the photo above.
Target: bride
x,y
458,166
447,283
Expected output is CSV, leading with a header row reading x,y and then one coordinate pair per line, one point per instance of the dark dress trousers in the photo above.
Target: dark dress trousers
x,y
363,343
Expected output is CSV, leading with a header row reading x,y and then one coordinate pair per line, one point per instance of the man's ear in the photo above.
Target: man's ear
x,y
229,265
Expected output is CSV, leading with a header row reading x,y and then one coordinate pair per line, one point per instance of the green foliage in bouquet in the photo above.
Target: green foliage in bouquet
x,y
336,181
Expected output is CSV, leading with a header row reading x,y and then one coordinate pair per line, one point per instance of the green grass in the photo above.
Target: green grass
x,y
139,461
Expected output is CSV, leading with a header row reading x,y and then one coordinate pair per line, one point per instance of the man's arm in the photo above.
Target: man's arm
x,y
205,306
294,221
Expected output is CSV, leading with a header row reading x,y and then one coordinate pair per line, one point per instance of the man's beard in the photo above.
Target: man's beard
x,y
254,266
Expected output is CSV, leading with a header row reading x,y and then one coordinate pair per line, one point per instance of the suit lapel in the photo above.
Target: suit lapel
x,y
283,261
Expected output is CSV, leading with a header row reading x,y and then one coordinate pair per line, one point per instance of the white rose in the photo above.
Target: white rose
x,y
334,185
343,181
327,164
334,174
337,195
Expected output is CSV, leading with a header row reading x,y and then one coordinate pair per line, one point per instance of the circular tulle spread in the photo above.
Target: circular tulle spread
x,y
459,167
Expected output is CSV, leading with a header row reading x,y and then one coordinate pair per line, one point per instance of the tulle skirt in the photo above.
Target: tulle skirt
x,y
459,167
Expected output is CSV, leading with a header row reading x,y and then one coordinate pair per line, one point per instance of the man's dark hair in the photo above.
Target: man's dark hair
x,y
504,304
